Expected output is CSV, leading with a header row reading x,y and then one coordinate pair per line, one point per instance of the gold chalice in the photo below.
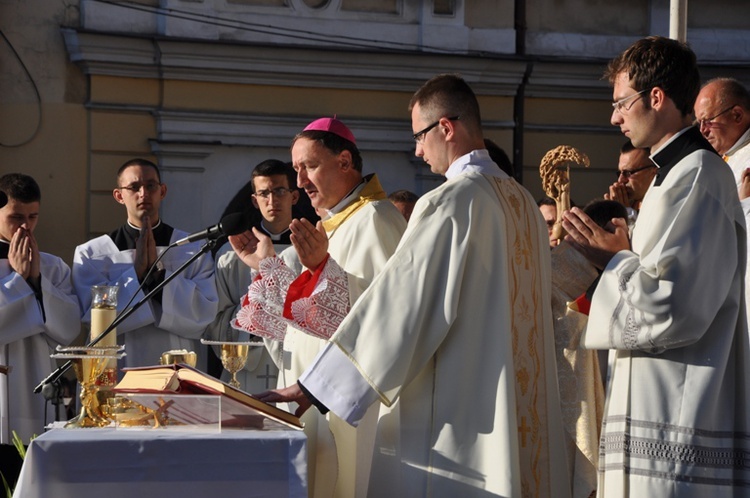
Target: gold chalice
x,y
233,356
88,364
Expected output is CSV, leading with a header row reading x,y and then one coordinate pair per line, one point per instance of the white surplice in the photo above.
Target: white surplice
x,y
455,337
677,414
188,302
738,158
27,338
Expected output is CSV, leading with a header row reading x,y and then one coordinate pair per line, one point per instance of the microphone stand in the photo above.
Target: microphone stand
x,y
126,313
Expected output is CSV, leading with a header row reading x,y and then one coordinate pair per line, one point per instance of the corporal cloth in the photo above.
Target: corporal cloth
x,y
188,303
29,332
676,420
455,336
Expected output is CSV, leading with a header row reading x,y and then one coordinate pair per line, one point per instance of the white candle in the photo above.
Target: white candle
x,y
101,318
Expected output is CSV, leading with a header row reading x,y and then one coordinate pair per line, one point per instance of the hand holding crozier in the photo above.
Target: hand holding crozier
x,y
555,173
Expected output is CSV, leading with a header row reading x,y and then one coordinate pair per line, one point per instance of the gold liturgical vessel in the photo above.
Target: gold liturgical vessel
x,y
89,363
233,356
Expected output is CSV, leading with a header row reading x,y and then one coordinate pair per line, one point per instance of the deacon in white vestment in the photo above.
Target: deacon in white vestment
x,y
174,318
37,313
455,334
670,308
274,193
362,229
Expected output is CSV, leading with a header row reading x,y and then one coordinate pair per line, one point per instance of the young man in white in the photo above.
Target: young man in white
x,y
174,318
669,305
38,310
274,194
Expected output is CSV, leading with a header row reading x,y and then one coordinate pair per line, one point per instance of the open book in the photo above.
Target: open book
x,y
238,408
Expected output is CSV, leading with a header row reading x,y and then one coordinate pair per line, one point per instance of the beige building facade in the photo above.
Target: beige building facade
x,y
209,88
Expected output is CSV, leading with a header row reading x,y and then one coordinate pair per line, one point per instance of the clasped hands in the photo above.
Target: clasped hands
x,y
597,244
23,256
618,192
145,249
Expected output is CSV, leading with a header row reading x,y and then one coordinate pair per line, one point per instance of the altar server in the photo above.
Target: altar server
x,y
669,306
274,194
177,316
38,310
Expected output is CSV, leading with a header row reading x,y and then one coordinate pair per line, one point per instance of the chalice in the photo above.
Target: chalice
x,y
233,356
88,364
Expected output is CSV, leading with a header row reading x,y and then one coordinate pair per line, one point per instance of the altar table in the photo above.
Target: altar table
x,y
114,463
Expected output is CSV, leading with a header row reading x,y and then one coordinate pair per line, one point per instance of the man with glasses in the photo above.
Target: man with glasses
x,y
455,335
174,318
669,306
635,172
722,112
274,194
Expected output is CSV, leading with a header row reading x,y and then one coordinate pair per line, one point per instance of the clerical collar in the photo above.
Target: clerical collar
x,y
126,235
276,237
4,249
139,228
476,161
742,142
684,143
348,198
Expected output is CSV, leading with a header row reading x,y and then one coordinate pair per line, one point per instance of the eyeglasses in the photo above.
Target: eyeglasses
x,y
619,106
419,136
709,122
627,173
277,192
150,187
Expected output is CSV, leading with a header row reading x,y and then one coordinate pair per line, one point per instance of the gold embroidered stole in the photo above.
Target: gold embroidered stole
x,y
372,191
528,331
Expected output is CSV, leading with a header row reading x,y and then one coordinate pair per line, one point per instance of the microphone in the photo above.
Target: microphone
x,y
231,224
3,199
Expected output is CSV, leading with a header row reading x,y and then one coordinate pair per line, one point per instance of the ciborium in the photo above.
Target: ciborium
x,y
233,356
88,364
